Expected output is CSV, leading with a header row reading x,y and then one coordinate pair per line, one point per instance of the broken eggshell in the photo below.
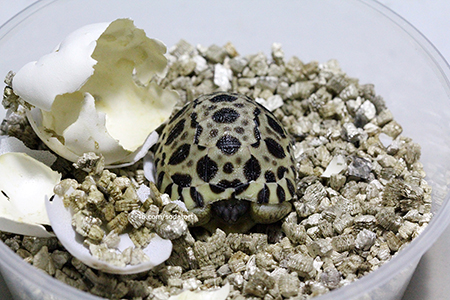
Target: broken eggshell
x,y
336,166
12,144
158,250
25,184
94,93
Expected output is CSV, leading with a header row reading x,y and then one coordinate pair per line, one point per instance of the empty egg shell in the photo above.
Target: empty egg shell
x,y
25,184
156,252
94,93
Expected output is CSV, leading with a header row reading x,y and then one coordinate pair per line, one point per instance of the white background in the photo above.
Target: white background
x,y
431,281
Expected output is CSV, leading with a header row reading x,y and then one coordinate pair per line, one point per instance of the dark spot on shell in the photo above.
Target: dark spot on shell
x,y
281,171
183,180
175,132
180,154
266,159
244,122
168,190
241,188
274,148
238,160
201,148
257,133
174,144
228,168
256,144
293,170
263,195
184,136
239,130
180,190
160,179
256,112
216,189
223,98
190,163
211,107
196,197
194,122
209,125
163,162
206,113
179,113
291,187
198,132
196,102
275,125
229,184
269,176
252,169
274,163
157,162
213,133
206,168
281,194
225,115
239,105
228,144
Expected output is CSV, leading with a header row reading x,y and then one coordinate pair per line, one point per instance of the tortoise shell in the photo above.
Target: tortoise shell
x,y
225,146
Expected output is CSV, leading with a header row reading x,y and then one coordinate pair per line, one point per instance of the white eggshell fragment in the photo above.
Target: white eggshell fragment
x,y
219,294
94,93
25,184
336,166
158,250
64,70
12,144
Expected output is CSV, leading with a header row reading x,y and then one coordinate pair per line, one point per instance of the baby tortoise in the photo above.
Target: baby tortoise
x,y
230,160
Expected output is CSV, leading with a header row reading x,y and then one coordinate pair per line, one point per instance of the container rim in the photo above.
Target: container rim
x,y
385,273
441,220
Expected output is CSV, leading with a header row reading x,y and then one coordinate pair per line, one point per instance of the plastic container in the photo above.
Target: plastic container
x,y
371,43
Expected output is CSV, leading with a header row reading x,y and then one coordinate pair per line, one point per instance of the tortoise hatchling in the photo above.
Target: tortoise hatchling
x,y
229,159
